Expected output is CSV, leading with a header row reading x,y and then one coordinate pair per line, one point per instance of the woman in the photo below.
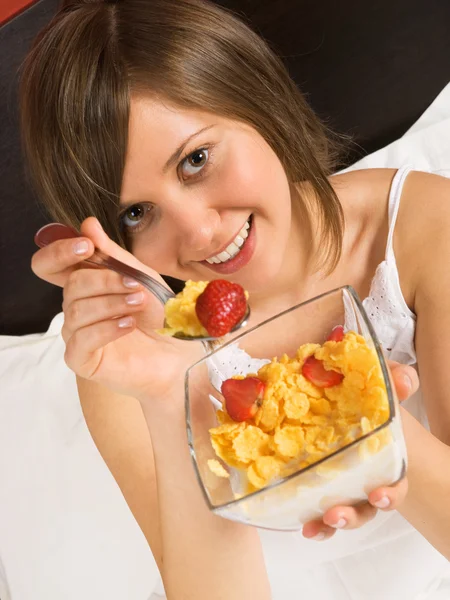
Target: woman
x,y
161,128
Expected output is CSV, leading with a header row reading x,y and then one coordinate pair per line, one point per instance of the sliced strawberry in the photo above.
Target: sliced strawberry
x,y
221,306
337,334
243,397
315,372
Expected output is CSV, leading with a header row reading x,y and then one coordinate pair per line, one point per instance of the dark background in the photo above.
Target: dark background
x,y
370,69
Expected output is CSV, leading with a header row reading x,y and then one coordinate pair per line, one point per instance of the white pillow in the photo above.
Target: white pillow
x,y
66,532
426,145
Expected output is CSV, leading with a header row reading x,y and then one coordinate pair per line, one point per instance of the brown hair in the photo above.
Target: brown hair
x,y
82,68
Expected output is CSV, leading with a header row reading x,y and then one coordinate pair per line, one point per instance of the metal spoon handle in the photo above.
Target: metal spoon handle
x,y
157,289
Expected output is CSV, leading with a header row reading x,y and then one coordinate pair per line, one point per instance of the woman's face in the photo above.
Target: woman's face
x,y
204,197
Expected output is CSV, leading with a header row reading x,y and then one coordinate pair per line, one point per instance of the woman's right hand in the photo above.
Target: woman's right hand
x,y
109,322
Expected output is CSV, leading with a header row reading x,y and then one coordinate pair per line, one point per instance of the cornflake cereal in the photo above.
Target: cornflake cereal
x,y
216,468
223,304
180,311
299,423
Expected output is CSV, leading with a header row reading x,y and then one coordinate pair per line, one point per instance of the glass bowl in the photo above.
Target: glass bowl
x,y
349,441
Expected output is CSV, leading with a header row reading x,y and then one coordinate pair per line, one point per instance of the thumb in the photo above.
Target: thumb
x,y
405,379
151,316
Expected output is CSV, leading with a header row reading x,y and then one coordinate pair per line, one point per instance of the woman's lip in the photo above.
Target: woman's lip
x,y
225,245
241,259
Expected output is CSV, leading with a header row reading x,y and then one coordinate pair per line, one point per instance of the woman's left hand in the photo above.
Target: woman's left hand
x,y
386,498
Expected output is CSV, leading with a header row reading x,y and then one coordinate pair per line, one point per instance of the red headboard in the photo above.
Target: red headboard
x,y
9,8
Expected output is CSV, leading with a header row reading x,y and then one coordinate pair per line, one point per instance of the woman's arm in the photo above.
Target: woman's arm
x,y
425,234
119,430
200,556
204,556
427,504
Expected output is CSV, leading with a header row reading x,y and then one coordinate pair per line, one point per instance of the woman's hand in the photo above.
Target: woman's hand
x,y
383,498
109,320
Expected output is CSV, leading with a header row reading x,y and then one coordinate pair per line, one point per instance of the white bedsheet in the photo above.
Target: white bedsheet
x,y
65,531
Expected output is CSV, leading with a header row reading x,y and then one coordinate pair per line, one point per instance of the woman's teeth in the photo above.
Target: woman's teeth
x,y
233,248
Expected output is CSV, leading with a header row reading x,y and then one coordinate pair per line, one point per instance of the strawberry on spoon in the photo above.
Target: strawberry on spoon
x,y
221,306
243,397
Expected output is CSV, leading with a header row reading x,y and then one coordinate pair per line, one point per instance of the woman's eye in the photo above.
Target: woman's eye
x,y
195,162
134,215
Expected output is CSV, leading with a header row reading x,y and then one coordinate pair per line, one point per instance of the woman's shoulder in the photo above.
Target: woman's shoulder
x,y
381,178
424,204
428,191
421,239
364,191
361,178
424,210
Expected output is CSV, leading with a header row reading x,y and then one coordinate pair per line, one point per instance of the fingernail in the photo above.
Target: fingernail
x,y
134,299
383,502
125,322
339,524
130,283
80,248
318,537
407,382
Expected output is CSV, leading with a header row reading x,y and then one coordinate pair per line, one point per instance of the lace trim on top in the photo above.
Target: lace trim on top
x,y
386,307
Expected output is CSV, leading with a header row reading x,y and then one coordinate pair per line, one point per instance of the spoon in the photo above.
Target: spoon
x,y
57,231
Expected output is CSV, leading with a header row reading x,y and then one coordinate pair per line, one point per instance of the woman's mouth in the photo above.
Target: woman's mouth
x,y
237,254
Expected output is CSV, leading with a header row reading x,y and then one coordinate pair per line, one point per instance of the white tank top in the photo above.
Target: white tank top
x,y
386,559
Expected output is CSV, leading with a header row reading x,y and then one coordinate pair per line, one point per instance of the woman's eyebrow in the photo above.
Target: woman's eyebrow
x,y
172,160
178,152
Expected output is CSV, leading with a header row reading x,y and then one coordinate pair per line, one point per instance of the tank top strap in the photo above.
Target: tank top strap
x,y
395,195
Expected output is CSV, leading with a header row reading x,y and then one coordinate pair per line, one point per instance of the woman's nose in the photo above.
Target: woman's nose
x,y
196,226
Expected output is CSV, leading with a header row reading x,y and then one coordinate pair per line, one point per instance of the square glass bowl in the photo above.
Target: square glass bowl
x,y
343,454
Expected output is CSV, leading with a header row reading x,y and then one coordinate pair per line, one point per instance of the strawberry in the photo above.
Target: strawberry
x,y
337,334
243,397
221,306
315,372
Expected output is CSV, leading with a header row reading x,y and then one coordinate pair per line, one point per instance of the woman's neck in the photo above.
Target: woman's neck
x,y
297,274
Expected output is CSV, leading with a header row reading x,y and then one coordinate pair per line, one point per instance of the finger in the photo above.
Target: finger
x,y
406,380
87,311
389,498
317,530
90,283
349,517
84,283
84,349
91,227
55,262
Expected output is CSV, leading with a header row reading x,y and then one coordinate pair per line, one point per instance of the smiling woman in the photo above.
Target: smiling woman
x,y
105,63
175,125
178,217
